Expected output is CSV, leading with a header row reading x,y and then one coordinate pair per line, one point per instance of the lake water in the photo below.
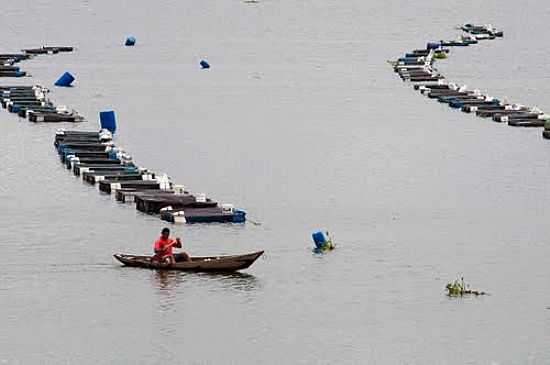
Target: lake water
x,y
301,122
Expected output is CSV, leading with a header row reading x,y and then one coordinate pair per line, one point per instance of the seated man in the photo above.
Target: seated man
x,y
163,247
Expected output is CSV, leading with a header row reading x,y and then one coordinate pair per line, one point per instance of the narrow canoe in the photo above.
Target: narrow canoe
x,y
198,263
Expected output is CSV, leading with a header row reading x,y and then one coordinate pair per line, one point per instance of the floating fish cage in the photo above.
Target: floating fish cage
x,y
30,102
47,50
486,31
109,186
222,214
94,157
102,170
152,204
93,177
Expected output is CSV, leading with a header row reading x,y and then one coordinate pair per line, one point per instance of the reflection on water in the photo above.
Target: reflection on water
x,y
167,281
235,280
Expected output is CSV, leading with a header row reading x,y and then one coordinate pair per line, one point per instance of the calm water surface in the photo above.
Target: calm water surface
x,y
301,122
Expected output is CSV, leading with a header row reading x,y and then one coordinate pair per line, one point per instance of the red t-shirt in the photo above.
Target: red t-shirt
x,y
161,243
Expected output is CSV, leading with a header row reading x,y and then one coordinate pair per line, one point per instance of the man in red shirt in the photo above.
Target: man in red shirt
x,y
163,247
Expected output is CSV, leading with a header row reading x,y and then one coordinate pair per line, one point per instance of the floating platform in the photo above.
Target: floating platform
x,y
108,186
17,73
455,43
92,177
47,50
152,204
489,113
83,154
86,161
460,103
436,94
75,136
23,101
127,195
9,68
84,145
505,116
54,117
482,30
16,57
204,215
25,110
79,170
475,108
527,123
430,86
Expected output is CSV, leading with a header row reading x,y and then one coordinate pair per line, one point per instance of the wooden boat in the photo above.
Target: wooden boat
x,y
197,263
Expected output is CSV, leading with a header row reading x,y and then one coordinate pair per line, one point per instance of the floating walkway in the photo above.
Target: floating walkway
x,y
94,157
417,67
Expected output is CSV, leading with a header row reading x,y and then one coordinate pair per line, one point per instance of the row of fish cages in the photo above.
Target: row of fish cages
x,y
473,101
417,67
31,102
95,158
8,60
8,67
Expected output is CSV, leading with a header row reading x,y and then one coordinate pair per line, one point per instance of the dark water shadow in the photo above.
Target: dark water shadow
x,y
171,280
165,280
235,280
170,286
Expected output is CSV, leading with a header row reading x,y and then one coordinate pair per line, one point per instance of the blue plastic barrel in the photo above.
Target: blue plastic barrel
x,y
319,238
433,45
130,41
107,119
204,64
65,80
239,216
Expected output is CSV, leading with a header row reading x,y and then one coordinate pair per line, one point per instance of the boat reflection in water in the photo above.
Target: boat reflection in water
x,y
235,280
168,281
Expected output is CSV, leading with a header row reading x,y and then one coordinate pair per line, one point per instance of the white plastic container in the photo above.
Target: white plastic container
x,y
228,208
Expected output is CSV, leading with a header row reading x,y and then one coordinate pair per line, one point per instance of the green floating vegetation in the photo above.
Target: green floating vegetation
x,y
328,245
440,55
458,288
